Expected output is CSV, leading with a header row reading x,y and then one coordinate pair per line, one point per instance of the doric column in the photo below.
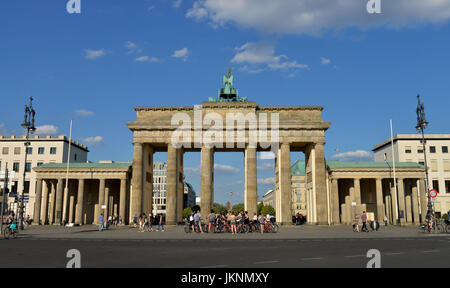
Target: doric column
x,y
123,199
180,186
335,201
37,202
148,180
283,195
80,203
357,195
59,199
107,203
408,200
423,199
251,181
171,191
380,205
72,208
415,200
44,211
52,202
401,200
101,198
207,180
320,175
136,190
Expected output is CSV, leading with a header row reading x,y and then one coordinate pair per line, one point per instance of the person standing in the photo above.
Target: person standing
x,y
385,219
191,221
233,223
101,220
356,224
261,223
150,223
161,222
211,220
198,221
364,221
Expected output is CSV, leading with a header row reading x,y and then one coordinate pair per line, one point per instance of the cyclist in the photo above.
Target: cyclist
x,y
430,219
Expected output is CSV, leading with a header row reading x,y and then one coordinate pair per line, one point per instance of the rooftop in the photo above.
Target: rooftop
x,y
86,165
411,137
44,138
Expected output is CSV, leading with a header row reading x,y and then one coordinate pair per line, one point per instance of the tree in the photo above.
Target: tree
x,y
237,208
220,209
187,212
268,210
260,206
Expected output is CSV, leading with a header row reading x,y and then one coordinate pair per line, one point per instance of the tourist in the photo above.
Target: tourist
x,y
232,220
135,221
356,224
161,222
120,221
101,220
142,223
198,221
385,219
261,223
364,220
212,220
191,221
150,223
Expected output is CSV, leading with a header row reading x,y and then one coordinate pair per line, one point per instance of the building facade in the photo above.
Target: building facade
x,y
268,198
41,150
409,148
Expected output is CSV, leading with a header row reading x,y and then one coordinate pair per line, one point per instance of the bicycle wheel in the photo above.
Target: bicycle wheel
x,y
447,229
440,228
187,229
6,233
245,228
274,228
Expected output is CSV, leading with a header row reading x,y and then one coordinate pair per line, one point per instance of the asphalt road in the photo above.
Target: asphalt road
x,y
226,253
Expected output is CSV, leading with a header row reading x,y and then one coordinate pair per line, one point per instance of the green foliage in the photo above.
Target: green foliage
x,y
260,206
187,212
237,208
268,210
220,209
445,216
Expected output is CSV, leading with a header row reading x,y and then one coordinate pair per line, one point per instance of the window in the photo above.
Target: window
x,y
29,150
422,163
447,186
434,166
16,166
447,165
40,163
419,149
444,149
408,149
436,185
5,151
75,157
28,167
41,150
16,150
432,149
53,150
0,165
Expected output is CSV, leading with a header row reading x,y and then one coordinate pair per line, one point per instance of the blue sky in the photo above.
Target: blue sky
x,y
94,67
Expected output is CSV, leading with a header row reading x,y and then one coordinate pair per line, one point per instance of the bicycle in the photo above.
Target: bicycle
x,y
11,230
188,228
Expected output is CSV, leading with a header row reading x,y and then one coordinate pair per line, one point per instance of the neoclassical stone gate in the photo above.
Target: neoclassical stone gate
x,y
301,129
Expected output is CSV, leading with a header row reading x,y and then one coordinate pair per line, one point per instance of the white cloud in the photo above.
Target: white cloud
x,y
93,141
325,61
266,155
358,155
260,56
147,59
177,3
317,16
4,131
226,169
267,166
94,54
266,181
182,53
130,45
46,130
83,112
191,171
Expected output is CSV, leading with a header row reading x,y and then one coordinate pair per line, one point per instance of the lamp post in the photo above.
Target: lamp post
x,y
28,123
421,125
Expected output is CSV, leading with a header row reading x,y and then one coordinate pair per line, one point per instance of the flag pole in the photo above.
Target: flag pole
x,y
394,201
66,189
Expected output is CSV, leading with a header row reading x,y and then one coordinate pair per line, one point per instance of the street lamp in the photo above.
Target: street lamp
x,y
28,123
421,125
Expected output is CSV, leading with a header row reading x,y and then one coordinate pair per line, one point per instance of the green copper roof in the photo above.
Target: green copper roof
x,y
387,165
87,165
298,169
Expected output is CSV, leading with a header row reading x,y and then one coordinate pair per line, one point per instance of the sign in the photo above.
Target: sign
x,y
433,193
103,206
433,200
353,203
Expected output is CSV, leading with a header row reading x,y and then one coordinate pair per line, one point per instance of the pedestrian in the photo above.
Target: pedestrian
x,y
364,220
385,219
198,221
161,222
232,220
150,223
191,221
135,221
261,223
212,220
120,221
356,224
141,223
101,220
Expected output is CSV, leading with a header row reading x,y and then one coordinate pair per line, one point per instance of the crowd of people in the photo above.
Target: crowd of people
x,y
145,223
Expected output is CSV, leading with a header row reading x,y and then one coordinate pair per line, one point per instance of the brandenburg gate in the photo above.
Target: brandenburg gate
x,y
247,126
